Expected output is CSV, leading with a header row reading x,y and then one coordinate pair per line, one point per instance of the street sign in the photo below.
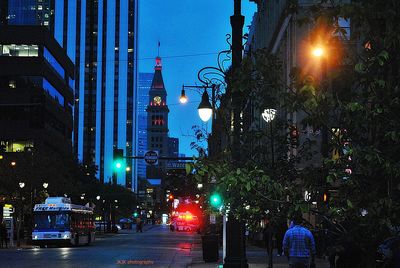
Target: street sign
x,y
151,158
176,165
212,219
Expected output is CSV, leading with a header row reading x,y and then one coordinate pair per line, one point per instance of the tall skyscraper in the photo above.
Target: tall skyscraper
x,y
105,96
157,121
145,80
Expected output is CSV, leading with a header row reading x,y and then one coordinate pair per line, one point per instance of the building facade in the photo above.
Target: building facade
x,y
145,80
36,99
157,121
105,101
100,38
276,28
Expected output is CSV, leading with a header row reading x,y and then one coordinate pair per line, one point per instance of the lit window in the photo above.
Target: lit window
x,y
12,84
40,7
46,23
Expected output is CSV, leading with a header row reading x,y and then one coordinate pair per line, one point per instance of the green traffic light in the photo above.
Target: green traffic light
x,y
135,214
118,165
215,200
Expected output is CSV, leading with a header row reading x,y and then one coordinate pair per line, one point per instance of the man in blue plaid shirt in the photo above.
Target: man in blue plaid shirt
x,y
299,245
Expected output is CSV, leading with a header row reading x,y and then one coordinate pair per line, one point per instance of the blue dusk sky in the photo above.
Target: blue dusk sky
x,y
191,33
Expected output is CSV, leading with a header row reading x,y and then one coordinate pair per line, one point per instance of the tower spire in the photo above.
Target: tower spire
x,y
158,52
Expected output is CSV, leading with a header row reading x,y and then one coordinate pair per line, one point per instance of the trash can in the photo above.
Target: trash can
x,y
210,247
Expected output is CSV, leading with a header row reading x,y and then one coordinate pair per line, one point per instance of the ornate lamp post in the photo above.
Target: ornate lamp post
x,y
206,109
320,53
21,186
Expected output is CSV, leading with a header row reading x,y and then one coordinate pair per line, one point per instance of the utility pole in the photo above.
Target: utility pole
x,y
235,230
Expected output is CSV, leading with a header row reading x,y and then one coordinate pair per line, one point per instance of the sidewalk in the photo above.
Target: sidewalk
x,y
256,258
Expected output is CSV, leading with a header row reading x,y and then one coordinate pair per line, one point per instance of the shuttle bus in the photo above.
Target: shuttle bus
x,y
58,222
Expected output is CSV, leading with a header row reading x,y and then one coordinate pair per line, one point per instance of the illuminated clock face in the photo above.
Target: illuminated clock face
x,y
157,100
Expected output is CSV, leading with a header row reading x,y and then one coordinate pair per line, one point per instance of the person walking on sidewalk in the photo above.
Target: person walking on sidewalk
x,y
139,225
3,234
299,245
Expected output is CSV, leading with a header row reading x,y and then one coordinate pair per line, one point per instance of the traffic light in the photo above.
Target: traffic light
x,y
170,197
135,214
216,200
118,157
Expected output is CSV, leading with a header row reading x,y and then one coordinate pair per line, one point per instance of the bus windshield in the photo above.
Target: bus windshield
x,y
52,220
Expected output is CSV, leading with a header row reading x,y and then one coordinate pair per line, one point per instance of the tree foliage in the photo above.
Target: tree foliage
x,y
357,103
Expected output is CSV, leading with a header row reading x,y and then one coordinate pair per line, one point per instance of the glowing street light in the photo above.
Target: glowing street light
x,y
21,185
45,185
183,99
317,51
98,197
205,108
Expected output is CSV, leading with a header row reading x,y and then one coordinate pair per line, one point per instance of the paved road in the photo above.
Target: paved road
x,y
156,247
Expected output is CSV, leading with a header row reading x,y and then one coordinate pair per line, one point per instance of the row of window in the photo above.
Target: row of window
x,y
13,50
53,62
156,145
15,146
156,139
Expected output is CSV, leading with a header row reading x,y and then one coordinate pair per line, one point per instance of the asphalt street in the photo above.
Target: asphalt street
x,y
155,247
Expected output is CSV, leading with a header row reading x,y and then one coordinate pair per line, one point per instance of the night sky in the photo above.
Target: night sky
x,y
191,34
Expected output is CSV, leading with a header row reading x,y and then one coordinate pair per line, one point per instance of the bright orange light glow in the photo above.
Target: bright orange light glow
x,y
318,52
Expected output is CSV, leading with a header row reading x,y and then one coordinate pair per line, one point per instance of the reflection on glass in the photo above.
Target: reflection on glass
x,y
53,62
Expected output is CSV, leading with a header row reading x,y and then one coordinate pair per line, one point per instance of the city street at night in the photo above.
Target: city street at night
x,y
157,246
200,134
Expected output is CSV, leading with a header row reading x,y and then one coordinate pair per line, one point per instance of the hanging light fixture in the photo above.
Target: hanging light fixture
x,y
205,109
183,99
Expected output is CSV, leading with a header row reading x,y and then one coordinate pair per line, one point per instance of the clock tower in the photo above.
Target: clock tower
x,y
157,121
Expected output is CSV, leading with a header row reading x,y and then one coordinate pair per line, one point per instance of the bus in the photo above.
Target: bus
x,y
58,222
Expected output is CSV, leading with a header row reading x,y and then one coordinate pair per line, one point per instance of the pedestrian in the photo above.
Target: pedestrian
x,y
267,235
299,245
280,233
141,226
138,225
3,234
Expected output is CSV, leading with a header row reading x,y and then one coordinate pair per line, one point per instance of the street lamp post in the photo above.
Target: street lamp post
x,y
269,115
21,186
206,110
235,228
319,52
